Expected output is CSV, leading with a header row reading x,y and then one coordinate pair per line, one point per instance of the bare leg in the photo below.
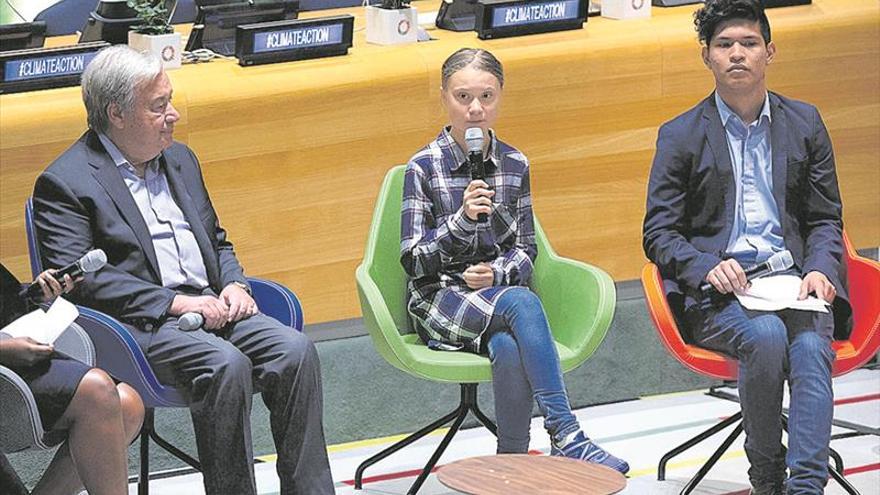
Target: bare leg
x,y
132,411
102,419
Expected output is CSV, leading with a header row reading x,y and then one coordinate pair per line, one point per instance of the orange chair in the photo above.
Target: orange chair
x,y
862,345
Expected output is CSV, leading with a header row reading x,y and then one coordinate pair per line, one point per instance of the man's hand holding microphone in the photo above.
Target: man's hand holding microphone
x,y
729,276
212,313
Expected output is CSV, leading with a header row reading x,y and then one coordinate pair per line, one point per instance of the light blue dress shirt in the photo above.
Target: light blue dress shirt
x,y
756,232
177,252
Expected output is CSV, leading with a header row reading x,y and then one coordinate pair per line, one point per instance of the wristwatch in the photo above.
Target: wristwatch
x,y
243,286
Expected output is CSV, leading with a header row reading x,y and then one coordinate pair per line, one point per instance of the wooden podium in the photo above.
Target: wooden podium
x,y
535,475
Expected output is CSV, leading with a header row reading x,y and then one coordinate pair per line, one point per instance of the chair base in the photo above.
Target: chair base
x,y
856,428
836,470
468,403
148,431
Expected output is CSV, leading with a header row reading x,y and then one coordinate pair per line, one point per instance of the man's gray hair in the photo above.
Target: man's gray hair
x,y
465,57
112,77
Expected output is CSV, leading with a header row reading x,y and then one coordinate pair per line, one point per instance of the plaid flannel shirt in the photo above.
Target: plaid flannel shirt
x,y
438,241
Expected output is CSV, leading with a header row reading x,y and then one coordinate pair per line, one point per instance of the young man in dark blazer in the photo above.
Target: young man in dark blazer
x,y
743,175
126,187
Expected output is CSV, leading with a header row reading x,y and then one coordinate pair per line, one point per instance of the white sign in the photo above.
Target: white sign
x,y
626,9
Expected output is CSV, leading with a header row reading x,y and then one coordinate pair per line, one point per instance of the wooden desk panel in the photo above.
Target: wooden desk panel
x,y
293,154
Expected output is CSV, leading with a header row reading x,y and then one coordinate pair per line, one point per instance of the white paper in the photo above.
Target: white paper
x,y
776,293
29,325
44,326
60,315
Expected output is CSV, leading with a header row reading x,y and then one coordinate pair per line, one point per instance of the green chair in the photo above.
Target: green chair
x,y
578,298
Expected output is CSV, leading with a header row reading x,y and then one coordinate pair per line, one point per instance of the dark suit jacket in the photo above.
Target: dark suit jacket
x,y
11,305
691,197
81,202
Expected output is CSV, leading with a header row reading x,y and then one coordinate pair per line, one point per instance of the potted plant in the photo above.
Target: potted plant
x,y
154,33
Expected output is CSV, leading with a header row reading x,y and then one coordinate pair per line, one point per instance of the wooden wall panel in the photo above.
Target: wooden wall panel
x,y
293,154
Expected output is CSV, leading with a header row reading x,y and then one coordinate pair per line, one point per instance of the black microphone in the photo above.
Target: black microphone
x,y
93,261
779,262
190,321
473,136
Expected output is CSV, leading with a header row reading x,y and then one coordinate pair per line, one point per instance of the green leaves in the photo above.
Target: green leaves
x,y
153,16
395,4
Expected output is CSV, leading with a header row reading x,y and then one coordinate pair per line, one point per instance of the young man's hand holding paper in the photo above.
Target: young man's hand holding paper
x,y
776,293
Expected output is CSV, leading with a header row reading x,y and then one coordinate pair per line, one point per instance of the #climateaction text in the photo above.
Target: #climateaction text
x,y
286,39
532,13
51,66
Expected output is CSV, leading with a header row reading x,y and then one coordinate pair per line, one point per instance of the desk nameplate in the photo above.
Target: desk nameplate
x,y
504,18
44,68
299,39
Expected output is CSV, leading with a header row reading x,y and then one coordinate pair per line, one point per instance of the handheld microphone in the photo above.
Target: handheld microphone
x,y
190,321
93,261
473,136
779,262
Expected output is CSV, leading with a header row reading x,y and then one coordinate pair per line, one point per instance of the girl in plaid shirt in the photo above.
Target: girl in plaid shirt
x,y
469,279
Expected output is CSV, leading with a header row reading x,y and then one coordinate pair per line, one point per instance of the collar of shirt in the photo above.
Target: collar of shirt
x,y
726,113
447,141
120,160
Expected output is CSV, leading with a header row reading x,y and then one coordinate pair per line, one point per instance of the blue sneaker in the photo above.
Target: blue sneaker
x,y
578,446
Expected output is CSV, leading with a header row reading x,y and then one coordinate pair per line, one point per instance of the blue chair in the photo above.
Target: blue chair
x,y
118,353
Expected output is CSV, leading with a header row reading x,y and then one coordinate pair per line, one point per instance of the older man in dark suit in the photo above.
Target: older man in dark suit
x,y
126,187
743,175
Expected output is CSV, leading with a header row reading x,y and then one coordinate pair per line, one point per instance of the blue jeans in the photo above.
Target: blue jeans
x,y
771,346
525,365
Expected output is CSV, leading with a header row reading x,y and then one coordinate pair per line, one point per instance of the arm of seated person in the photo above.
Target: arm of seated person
x,y
234,304
427,244
479,276
241,304
25,351
51,287
17,352
516,265
213,309
817,283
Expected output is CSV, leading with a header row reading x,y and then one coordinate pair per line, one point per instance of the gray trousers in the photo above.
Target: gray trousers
x,y
221,371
